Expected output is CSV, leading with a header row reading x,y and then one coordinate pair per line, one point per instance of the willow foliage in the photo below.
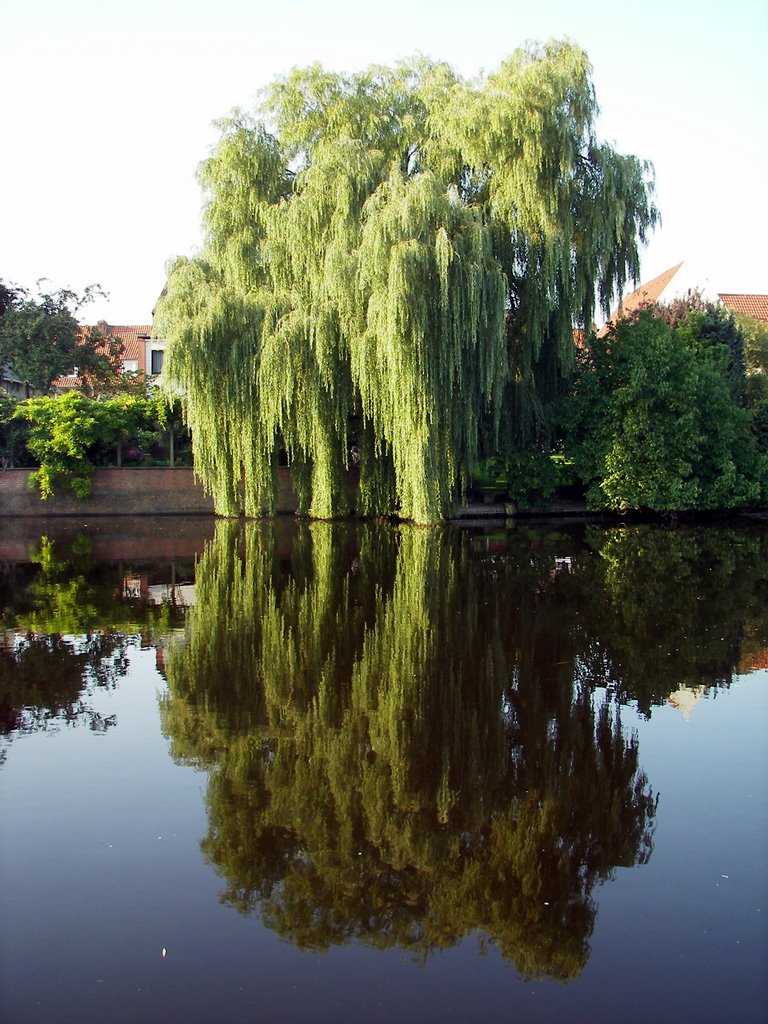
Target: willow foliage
x,y
394,264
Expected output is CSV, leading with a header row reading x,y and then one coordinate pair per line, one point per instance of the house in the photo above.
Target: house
x,y
11,383
659,289
141,352
133,340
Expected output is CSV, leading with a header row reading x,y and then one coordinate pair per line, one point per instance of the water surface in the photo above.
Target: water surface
x,y
339,772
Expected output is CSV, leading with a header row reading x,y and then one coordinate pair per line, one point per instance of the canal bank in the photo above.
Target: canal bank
x,y
162,491
159,491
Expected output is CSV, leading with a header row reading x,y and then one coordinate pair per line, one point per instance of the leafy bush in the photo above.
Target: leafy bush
x,y
67,433
653,422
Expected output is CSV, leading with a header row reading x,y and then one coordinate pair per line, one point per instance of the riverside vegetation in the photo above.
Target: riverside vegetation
x,y
399,281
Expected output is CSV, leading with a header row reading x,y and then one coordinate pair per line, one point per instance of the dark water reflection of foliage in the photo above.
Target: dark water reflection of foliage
x,y
66,629
412,734
674,607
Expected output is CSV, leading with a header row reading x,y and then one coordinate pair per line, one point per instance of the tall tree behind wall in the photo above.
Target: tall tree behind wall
x,y
41,338
396,266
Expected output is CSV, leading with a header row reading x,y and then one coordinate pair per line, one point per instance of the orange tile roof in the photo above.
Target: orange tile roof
x,y
132,338
646,295
755,306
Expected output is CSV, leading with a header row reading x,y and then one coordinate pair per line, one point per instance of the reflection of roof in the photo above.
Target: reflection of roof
x,y
754,656
755,306
686,698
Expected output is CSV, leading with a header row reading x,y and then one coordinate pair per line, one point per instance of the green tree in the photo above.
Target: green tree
x,y
8,298
714,332
755,334
396,267
653,423
13,434
41,338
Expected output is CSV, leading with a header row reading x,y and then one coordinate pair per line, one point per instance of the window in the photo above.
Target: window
x,y
157,360
130,366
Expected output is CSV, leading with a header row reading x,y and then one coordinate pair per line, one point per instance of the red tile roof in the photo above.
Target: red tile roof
x,y
132,338
755,306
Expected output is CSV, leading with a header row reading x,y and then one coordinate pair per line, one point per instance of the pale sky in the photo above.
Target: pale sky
x,y
108,108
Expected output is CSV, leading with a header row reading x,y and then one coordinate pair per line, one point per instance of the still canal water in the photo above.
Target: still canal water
x,y
331,772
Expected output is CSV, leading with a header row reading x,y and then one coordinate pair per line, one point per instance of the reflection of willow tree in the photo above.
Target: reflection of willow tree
x,y
394,755
675,607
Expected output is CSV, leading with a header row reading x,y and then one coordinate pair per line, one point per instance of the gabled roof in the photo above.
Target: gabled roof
x,y
755,306
7,374
647,294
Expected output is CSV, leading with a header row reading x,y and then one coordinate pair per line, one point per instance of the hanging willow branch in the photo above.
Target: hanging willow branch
x,y
396,267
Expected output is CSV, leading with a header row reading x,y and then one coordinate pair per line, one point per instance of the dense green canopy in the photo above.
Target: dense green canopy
x,y
654,419
394,264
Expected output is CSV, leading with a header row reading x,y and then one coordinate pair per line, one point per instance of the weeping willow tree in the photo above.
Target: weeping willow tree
x,y
394,265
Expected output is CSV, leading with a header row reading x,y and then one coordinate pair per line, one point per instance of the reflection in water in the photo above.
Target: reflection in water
x,y
410,735
49,680
673,608
415,734
65,630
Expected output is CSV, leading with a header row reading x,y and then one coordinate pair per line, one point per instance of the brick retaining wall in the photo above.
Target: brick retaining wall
x,y
114,492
